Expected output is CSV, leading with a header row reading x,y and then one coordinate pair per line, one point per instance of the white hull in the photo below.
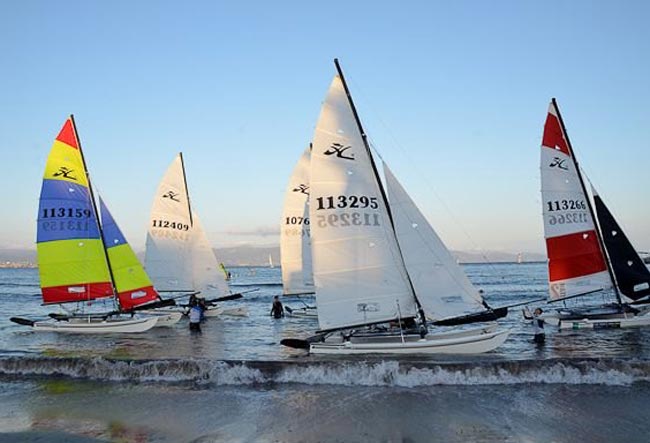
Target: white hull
x,y
110,326
216,311
303,313
610,323
475,341
166,319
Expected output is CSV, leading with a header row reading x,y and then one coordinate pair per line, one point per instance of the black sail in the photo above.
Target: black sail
x,y
632,276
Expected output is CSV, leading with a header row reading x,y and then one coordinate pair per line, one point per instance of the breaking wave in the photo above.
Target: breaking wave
x,y
352,373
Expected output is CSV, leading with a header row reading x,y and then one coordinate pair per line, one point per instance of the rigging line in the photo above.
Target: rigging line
x,y
414,164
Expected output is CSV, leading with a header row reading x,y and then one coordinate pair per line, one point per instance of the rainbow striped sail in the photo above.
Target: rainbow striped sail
x,y
71,258
132,283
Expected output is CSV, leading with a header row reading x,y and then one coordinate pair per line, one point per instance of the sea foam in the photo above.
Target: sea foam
x,y
350,373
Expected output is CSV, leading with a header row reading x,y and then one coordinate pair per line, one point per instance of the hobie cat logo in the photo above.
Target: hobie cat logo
x,y
339,150
303,189
559,163
65,173
171,195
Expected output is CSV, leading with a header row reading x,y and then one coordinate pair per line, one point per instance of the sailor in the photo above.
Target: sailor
x,y
195,316
538,325
276,310
202,305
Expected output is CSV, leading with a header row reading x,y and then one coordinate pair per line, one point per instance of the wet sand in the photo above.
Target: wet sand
x,y
307,413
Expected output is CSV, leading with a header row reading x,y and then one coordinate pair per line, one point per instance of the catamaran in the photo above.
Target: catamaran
x,y
295,240
80,259
587,250
178,254
376,286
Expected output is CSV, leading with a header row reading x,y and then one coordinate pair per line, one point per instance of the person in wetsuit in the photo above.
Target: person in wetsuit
x,y
277,310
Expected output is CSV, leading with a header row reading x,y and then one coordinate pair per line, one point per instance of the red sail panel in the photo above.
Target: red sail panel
x,y
553,136
135,297
80,292
67,134
574,255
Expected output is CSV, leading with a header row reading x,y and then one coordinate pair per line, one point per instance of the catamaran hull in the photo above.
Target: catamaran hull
x,y
469,342
610,323
165,319
303,313
218,311
80,326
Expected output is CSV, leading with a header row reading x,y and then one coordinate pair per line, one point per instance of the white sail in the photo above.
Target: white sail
x,y
442,287
576,261
358,272
295,240
206,275
169,237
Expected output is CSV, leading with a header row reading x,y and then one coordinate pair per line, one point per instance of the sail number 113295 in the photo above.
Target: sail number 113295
x,y
346,201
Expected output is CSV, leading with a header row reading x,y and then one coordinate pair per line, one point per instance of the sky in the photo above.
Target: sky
x,y
453,96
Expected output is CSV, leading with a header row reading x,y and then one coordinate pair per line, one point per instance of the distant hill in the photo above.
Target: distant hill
x,y
259,256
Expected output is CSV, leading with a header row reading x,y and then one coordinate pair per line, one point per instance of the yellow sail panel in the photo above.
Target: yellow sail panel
x,y
127,270
84,260
131,281
65,163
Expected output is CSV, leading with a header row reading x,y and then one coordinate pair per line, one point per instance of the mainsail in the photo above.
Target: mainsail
x,y
131,281
576,261
443,288
295,239
632,275
71,258
358,271
169,237
179,257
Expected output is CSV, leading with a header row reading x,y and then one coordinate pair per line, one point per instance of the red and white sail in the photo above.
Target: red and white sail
x,y
576,262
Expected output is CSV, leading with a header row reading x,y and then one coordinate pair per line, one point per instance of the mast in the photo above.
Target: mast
x,y
599,235
92,200
381,187
187,191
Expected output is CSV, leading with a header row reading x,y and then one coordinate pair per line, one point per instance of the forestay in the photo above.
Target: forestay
x,y
169,237
576,262
442,287
358,272
632,275
295,239
71,259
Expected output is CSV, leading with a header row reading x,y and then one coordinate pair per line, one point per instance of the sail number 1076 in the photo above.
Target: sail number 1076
x,y
347,201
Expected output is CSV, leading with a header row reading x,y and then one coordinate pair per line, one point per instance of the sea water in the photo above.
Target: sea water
x,y
234,382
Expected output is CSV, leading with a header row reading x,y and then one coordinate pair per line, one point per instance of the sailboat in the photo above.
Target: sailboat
x,y
372,291
76,262
587,250
178,254
295,239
